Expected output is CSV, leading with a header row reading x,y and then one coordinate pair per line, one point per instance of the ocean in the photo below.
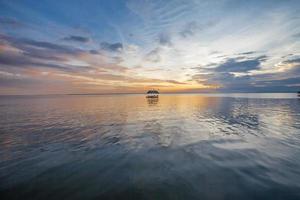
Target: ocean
x,y
178,146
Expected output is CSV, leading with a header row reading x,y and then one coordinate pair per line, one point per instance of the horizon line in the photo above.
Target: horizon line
x,y
131,93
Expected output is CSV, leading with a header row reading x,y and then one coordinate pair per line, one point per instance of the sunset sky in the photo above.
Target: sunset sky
x,y
110,46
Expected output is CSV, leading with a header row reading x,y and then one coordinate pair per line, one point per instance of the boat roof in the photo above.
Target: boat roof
x,y
152,92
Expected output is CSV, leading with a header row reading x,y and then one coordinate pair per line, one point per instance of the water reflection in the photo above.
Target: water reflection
x,y
174,147
152,101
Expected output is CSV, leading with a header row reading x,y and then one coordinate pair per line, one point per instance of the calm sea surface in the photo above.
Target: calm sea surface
x,y
237,146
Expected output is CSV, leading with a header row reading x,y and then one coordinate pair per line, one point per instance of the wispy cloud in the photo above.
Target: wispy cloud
x,y
77,38
113,47
11,22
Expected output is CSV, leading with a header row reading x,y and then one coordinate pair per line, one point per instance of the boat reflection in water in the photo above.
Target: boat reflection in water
x,y
152,101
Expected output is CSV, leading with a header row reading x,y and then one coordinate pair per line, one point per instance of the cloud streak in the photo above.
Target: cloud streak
x,y
76,38
112,47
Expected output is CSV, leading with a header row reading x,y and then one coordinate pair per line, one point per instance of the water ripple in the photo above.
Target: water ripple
x,y
178,147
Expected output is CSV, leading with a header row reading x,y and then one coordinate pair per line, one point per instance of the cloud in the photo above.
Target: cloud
x,y
287,80
112,47
297,35
153,56
19,60
235,65
224,74
26,53
175,82
194,27
16,82
108,78
292,61
282,82
76,38
11,22
248,53
164,39
30,45
94,52
14,59
189,29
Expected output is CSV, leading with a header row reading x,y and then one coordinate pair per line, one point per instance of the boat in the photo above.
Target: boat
x,y
298,94
152,94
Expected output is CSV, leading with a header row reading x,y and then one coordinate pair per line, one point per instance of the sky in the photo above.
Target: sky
x,y
119,46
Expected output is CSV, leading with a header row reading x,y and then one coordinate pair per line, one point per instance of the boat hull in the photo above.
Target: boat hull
x,y
152,96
